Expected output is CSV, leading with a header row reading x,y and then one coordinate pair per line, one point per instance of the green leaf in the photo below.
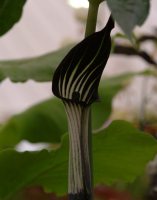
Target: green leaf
x,y
10,13
107,90
38,68
129,13
41,123
120,153
20,169
29,124
45,122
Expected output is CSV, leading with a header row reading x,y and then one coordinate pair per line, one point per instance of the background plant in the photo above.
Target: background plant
x,y
120,151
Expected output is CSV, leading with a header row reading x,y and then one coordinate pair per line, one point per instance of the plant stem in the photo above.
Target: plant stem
x,y
80,136
91,18
90,28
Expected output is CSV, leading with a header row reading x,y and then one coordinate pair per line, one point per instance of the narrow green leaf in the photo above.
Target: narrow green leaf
x,y
41,123
38,68
29,124
129,13
121,152
10,13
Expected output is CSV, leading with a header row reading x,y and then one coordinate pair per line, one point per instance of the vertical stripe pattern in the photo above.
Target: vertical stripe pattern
x,y
76,82
77,77
79,162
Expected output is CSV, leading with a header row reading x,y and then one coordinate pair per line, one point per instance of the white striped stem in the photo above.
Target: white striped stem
x,y
80,179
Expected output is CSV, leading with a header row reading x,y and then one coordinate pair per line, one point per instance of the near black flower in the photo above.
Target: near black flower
x,y
76,82
77,77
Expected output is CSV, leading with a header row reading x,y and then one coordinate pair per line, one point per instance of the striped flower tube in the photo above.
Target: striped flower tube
x,y
76,81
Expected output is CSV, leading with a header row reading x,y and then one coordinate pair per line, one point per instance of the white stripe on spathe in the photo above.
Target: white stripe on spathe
x,y
79,162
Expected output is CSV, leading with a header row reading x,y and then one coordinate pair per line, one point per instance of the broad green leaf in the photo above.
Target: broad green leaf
x,y
107,90
38,68
129,13
121,152
20,169
45,122
10,13
41,123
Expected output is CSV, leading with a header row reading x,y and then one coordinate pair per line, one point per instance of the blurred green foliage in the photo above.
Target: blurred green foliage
x,y
10,13
120,151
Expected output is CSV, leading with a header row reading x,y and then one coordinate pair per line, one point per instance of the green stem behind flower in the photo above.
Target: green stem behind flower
x,y
91,18
90,28
79,119
76,82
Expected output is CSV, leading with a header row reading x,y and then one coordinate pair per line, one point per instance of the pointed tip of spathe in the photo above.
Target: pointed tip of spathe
x,y
110,24
77,77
